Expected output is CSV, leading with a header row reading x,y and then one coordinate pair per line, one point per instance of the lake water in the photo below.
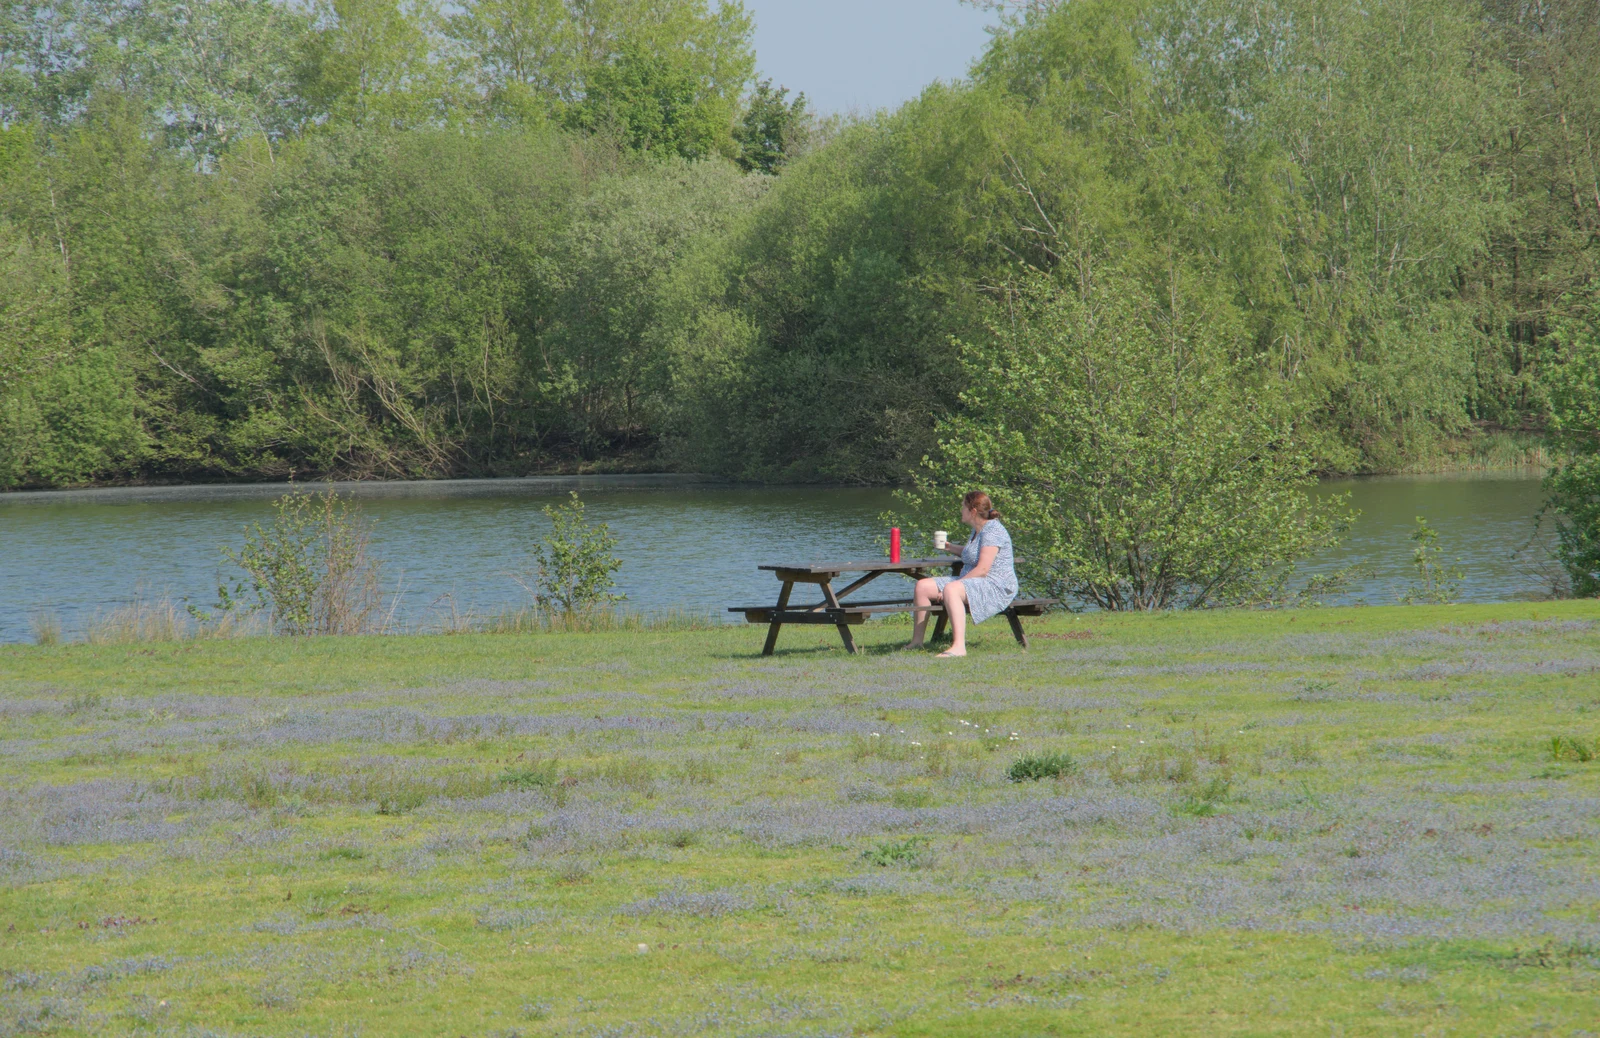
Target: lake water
x,y
685,543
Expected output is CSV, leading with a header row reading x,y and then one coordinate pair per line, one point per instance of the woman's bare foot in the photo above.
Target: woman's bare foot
x,y
951,654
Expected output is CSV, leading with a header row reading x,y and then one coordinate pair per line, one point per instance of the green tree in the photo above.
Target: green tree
x,y
82,216
52,55
665,75
1574,485
771,130
1387,111
213,71
1541,260
1139,464
206,72
520,56
375,300
615,295
818,347
371,63
655,103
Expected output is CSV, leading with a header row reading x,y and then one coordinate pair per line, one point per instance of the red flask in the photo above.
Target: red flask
x,y
894,544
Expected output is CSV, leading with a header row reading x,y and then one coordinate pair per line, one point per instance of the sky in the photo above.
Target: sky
x,y
864,54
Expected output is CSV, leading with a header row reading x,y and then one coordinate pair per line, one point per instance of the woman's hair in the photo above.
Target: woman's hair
x,y
978,503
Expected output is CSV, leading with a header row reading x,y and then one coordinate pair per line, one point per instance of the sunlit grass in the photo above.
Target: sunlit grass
x,y
1358,821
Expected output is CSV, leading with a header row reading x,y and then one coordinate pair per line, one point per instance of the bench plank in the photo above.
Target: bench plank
x,y
772,616
1021,606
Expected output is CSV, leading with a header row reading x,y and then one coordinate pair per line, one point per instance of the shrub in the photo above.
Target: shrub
x,y
1140,464
906,852
574,563
1437,582
1202,801
1051,765
308,570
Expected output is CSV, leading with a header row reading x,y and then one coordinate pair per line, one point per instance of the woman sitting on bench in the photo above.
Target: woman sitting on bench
x,y
988,581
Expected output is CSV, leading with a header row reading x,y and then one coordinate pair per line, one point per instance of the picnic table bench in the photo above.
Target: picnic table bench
x,y
843,615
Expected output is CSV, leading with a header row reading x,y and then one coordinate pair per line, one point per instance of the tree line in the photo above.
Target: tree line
x,y
243,238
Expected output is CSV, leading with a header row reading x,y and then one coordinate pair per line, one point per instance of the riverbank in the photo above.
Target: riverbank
x,y
1490,453
1358,819
1496,452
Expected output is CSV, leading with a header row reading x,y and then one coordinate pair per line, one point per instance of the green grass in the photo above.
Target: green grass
x,y
1349,821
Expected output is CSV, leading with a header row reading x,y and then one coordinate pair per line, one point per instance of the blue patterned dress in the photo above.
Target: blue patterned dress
x,y
987,596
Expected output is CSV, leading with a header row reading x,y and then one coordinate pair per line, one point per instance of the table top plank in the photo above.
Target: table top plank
x,y
866,565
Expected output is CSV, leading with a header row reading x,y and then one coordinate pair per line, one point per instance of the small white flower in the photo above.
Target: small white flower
x,y
875,735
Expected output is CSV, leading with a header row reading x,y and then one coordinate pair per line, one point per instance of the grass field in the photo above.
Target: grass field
x,y
1337,822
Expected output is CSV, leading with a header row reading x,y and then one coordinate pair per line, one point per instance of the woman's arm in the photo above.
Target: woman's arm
x,y
986,557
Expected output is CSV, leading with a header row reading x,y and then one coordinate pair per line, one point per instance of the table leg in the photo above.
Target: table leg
x,y
844,628
1016,628
775,626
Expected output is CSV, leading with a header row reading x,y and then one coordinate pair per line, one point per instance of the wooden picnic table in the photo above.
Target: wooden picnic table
x,y
841,614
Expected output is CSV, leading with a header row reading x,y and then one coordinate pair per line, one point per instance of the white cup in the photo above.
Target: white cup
x,y
941,539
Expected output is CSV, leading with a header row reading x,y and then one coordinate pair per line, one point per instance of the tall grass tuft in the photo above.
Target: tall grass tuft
x,y
46,629
1567,747
138,621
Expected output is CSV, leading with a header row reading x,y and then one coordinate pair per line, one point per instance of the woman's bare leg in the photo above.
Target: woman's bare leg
x,y
955,606
925,594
